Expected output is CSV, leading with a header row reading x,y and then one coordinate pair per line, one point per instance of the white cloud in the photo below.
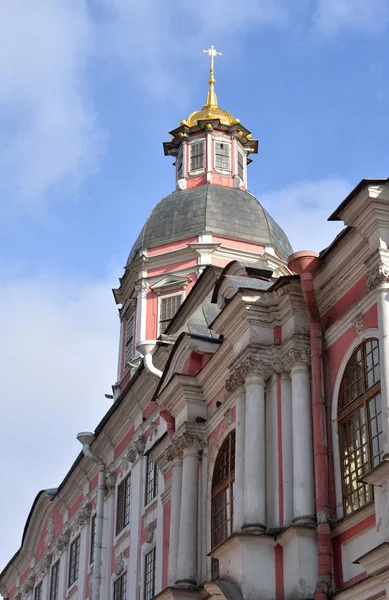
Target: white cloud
x,y
58,348
364,16
302,210
48,133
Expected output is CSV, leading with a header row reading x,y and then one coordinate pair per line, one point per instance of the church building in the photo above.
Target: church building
x,y
246,452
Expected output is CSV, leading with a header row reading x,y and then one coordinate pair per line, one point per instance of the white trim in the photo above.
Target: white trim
x,y
368,333
160,298
190,144
243,155
145,549
180,151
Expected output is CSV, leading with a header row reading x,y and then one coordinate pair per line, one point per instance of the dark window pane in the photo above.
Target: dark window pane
x,y
197,156
123,507
74,561
167,309
149,587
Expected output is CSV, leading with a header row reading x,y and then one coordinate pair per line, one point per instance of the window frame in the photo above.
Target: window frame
x,y
55,570
129,343
191,146
123,518
150,497
240,153
152,552
162,297
38,591
120,581
344,414
180,157
74,560
220,169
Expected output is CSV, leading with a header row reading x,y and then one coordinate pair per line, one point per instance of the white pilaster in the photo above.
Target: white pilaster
x,y
304,486
239,458
383,328
175,518
187,556
254,507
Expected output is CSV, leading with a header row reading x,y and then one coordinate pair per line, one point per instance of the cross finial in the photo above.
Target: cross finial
x,y
211,96
212,52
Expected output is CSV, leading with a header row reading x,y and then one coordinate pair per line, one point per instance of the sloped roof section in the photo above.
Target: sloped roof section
x,y
222,211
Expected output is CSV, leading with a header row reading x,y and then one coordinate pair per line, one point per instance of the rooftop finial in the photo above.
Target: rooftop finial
x,y
211,96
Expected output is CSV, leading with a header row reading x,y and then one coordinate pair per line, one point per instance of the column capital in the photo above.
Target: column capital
x,y
248,366
378,277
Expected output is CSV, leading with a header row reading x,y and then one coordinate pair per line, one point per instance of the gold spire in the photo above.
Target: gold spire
x,y
211,95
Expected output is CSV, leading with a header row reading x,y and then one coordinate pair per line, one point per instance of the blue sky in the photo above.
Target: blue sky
x,y
89,91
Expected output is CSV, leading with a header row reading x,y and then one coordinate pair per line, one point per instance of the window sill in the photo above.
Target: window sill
x,y
148,507
122,533
346,522
194,173
379,474
72,588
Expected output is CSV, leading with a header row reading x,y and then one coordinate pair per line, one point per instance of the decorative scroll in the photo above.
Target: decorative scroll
x,y
63,541
83,515
378,277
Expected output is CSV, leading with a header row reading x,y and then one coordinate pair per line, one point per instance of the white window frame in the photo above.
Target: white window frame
x,y
227,142
191,143
180,153
243,155
146,549
160,298
131,318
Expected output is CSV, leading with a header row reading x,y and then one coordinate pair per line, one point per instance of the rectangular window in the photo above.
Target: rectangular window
x,y
151,480
54,582
38,592
149,590
240,165
222,156
123,504
180,163
74,560
119,588
167,309
129,340
92,539
196,156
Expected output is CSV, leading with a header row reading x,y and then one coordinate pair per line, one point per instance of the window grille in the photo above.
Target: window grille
x,y
54,581
92,539
151,480
129,340
123,504
180,163
119,588
222,496
167,309
38,592
240,165
360,424
74,560
196,156
149,587
222,156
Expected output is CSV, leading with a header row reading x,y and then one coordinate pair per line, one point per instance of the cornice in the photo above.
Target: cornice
x,y
181,390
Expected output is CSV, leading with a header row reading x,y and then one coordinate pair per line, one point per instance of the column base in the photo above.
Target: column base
x,y
304,520
254,528
186,584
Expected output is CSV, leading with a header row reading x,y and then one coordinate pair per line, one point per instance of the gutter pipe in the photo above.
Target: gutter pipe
x,y
145,349
305,264
86,438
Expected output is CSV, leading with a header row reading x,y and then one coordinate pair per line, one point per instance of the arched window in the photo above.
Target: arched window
x,y
360,423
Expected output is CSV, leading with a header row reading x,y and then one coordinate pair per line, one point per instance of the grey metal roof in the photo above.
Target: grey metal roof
x,y
227,212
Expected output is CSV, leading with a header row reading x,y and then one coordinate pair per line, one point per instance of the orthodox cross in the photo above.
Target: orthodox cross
x,y
212,52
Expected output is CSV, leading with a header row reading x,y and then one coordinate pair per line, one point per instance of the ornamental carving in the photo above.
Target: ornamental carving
x,y
63,541
29,584
150,532
358,322
185,440
44,565
119,563
49,531
110,480
140,445
129,457
377,277
153,428
83,515
141,286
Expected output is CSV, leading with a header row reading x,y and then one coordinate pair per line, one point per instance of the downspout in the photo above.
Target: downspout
x,y
86,439
305,264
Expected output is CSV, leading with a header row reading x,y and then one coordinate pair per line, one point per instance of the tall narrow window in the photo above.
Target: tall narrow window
x,y
240,165
129,340
92,539
38,592
74,560
168,307
151,480
123,504
119,588
180,163
196,156
54,581
222,496
222,156
360,423
149,588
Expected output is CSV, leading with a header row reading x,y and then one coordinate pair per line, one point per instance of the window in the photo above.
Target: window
x,y
149,589
74,560
92,539
180,163
240,165
168,306
129,340
196,156
222,156
38,592
360,424
151,480
123,504
54,582
222,496
119,588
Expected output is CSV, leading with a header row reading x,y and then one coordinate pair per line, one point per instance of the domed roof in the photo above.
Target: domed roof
x,y
210,112
226,212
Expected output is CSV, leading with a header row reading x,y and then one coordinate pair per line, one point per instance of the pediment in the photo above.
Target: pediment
x,y
170,282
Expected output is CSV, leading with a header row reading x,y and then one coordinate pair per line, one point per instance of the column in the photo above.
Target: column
x,y
187,545
175,517
303,477
240,407
254,504
383,328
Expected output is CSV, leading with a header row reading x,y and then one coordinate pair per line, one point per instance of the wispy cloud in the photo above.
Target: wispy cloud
x,y
363,16
302,210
